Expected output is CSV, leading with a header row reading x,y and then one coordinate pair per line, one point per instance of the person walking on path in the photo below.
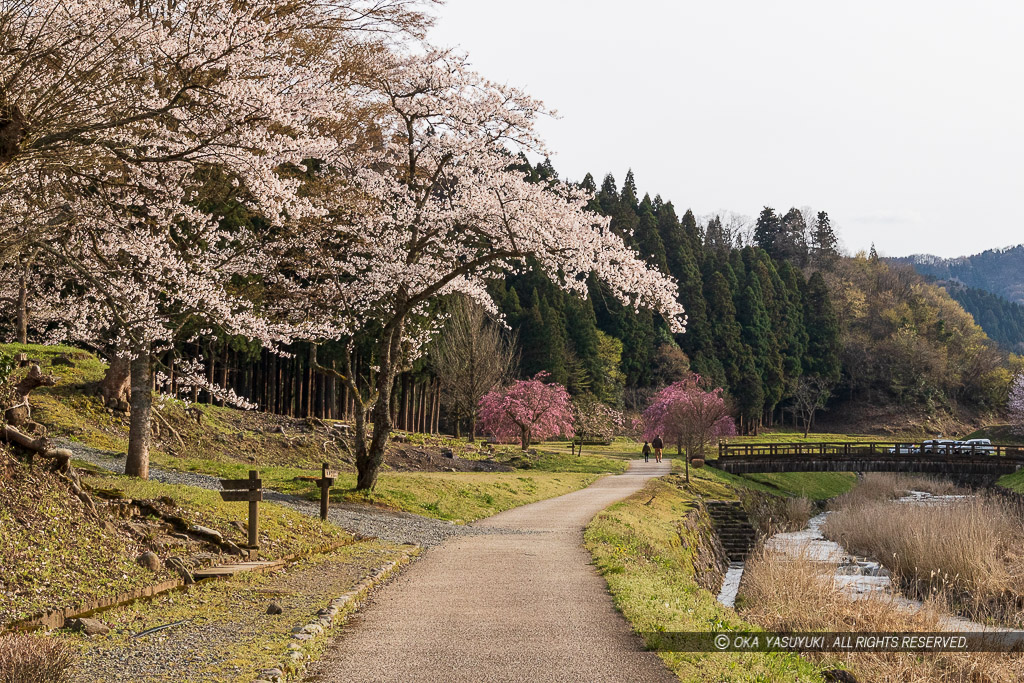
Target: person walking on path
x,y
647,452
658,445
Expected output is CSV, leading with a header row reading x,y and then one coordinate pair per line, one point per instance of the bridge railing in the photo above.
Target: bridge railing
x,y
827,448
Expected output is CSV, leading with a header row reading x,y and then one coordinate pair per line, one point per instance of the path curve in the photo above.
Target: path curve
x,y
526,605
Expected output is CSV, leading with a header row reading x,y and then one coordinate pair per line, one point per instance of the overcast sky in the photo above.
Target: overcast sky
x,y
902,119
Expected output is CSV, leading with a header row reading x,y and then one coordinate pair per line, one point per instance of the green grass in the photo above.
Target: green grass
x,y
999,434
54,555
453,496
647,557
1014,482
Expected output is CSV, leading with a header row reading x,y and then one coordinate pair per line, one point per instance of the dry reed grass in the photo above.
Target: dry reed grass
x,y
781,593
877,487
34,659
773,514
969,550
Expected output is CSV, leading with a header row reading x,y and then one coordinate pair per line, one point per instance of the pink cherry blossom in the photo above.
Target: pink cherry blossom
x,y
527,410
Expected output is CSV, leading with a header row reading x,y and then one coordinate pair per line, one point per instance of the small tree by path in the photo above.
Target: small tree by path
x,y
688,416
527,409
471,355
812,392
594,420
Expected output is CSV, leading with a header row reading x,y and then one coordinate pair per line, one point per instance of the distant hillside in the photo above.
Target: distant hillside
x,y
1001,319
1000,271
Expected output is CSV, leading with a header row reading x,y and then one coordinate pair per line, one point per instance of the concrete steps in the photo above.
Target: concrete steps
x,y
733,528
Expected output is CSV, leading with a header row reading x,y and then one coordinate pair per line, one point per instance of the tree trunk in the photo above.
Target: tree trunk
x,y
22,322
369,463
526,439
137,464
472,427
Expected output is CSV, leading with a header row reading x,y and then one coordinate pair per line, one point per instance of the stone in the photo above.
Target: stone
x,y
149,560
447,453
313,629
90,627
274,608
207,532
302,636
294,646
272,674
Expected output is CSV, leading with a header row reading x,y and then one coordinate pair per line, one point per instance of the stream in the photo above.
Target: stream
x,y
857,576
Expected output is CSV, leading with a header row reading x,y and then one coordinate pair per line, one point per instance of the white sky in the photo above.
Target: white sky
x,y
901,119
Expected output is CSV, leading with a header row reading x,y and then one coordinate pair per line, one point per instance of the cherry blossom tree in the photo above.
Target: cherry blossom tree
x,y
687,415
526,410
593,419
436,207
116,119
1016,403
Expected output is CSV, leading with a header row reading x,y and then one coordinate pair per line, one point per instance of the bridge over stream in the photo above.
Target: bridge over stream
x,y
947,459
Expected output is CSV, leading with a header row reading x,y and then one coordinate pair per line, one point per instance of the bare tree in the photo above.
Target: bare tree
x,y
471,355
812,392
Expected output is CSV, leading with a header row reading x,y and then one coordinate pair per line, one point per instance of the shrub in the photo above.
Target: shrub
x,y
34,659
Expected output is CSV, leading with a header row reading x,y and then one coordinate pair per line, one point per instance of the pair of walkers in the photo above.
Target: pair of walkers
x,y
657,445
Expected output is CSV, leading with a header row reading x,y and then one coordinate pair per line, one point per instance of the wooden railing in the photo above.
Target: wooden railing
x,y
772,450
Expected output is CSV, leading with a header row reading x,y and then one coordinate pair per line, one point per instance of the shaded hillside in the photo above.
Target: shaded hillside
x,y
1001,319
1000,271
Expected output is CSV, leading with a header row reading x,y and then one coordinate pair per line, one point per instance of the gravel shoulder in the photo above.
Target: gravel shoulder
x,y
221,629
520,603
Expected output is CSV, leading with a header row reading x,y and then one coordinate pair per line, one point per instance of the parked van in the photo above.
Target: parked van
x,y
975,446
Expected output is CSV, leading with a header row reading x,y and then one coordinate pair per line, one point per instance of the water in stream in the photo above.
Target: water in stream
x,y
857,576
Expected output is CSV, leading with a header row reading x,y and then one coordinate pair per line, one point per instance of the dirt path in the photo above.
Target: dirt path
x,y
521,606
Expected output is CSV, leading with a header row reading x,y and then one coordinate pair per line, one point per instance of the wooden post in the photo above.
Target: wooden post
x,y
327,477
325,488
254,513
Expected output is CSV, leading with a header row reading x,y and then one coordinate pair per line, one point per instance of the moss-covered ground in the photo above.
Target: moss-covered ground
x,y
53,554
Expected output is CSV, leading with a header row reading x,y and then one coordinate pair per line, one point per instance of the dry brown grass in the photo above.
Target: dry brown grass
x,y
877,486
773,514
34,659
968,549
781,593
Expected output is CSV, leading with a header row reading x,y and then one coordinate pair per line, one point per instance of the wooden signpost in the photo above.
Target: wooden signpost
x,y
249,490
327,478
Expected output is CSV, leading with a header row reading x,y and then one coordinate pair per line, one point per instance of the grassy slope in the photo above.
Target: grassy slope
x,y
53,555
644,554
230,442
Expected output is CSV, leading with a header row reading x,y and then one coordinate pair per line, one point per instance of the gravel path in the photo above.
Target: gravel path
x,y
365,520
504,606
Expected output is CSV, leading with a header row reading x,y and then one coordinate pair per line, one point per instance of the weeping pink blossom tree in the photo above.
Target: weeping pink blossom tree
x,y
687,415
527,409
1016,403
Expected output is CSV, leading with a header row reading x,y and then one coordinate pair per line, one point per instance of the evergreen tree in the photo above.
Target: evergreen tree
x,y
716,237
628,197
648,240
822,325
824,244
792,241
766,232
